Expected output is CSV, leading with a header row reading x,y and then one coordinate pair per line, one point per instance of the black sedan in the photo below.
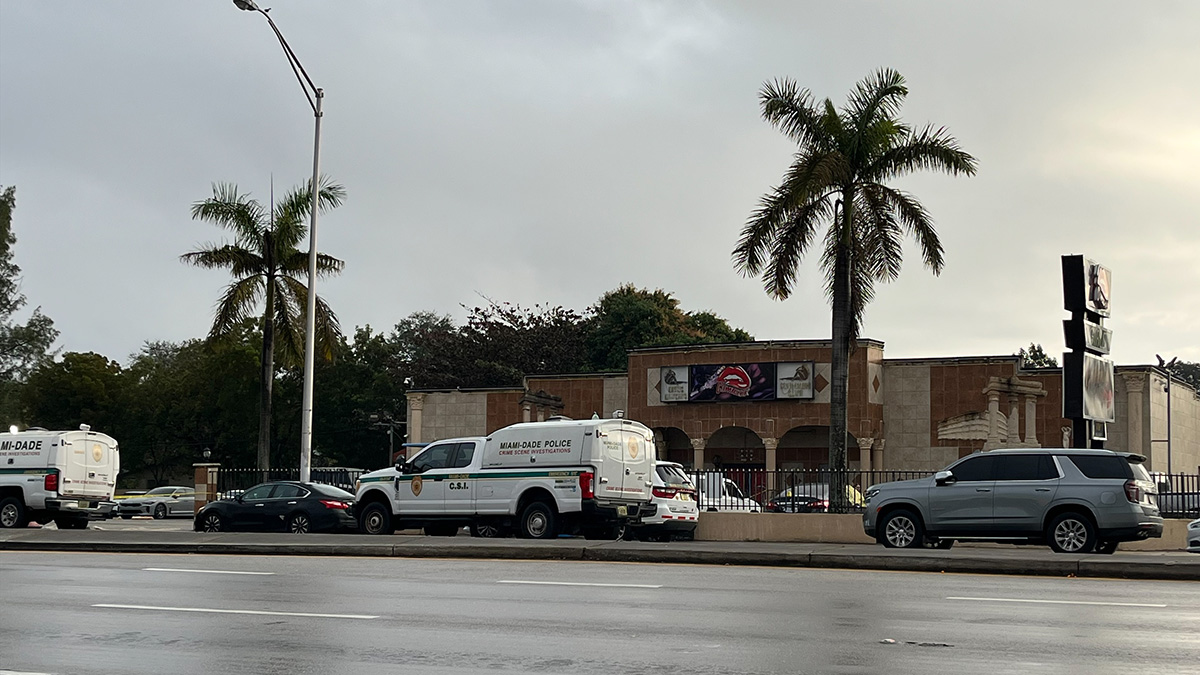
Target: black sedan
x,y
287,506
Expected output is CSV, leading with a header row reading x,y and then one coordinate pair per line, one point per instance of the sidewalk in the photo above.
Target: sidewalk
x,y
1027,560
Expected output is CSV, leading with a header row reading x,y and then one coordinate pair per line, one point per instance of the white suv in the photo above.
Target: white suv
x,y
677,513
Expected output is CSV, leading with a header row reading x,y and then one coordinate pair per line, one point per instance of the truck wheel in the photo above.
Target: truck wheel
x,y
901,529
160,511
1071,532
12,513
375,519
537,522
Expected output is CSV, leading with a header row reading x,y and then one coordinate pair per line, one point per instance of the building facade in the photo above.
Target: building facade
x,y
765,405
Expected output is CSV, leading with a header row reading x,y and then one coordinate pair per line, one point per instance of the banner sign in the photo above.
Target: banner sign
x,y
794,380
1088,391
743,382
673,384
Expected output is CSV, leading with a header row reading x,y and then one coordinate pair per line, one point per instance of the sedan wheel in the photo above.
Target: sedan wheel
x,y
212,522
160,511
486,530
299,524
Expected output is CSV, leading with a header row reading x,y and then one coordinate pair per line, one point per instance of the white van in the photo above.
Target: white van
x,y
65,476
538,479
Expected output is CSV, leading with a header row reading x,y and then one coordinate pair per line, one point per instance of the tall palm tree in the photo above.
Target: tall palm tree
x,y
837,179
268,268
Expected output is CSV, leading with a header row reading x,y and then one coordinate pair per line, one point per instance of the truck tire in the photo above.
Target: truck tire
x,y
1071,532
12,513
901,529
538,522
376,518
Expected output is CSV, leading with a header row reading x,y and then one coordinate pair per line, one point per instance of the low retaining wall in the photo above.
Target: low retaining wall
x,y
834,528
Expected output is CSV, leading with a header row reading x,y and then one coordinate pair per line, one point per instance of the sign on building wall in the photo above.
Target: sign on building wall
x,y
794,380
673,384
743,382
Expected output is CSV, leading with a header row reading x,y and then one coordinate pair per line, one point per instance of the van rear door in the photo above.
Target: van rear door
x,y
90,467
628,460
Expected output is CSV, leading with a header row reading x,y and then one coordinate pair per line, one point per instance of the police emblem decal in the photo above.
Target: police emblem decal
x,y
416,486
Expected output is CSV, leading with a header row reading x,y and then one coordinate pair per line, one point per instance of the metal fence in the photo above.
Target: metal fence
x,y
789,491
1178,495
231,482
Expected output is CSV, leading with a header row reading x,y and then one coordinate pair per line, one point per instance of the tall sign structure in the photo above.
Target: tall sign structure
x,y
1088,386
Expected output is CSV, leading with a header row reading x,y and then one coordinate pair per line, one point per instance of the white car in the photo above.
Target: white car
x,y
1193,536
718,493
676,514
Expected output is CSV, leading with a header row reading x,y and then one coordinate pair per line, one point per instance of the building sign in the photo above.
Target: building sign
x,y
673,384
1091,396
1099,288
794,380
744,382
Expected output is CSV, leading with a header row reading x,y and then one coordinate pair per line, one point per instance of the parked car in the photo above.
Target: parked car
x,y
812,498
1193,536
289,506
718,493
676,514
1077,501
161,502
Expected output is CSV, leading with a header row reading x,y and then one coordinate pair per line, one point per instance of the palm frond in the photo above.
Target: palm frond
x,y
233,211
789,109
236,304
928,149
917,222
878,96
239,261
789,245
882,238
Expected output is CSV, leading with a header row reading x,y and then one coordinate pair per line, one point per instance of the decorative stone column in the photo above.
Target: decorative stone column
x,y
993,406
698,454
1031,440
1014,433
416,406
877,455
771,445
864,453
1135,387
526,413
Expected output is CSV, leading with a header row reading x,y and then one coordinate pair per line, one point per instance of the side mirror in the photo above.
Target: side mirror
x,y
241,497
944,478
406,467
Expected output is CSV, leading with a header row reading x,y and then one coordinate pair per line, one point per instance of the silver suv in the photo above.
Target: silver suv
x,y
1076,501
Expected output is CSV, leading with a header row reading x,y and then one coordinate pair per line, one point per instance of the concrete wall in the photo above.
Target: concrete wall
x,y
847,529
453,414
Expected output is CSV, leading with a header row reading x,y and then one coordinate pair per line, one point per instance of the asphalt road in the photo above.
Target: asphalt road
x,y
89,614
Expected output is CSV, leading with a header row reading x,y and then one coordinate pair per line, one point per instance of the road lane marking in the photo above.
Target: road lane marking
x,y
1061,602
238,611
180,569
577,583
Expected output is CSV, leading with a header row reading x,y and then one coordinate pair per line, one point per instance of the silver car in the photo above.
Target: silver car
x,y
1077,501
161,502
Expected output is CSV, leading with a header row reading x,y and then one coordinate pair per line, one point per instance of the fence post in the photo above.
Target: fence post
x,y
206,483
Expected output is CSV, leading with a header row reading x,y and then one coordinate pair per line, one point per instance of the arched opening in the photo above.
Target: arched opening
x,y
674,445
807,448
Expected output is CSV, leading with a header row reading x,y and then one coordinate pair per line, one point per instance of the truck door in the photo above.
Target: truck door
x,y
99,462
423,490
460,486
623,473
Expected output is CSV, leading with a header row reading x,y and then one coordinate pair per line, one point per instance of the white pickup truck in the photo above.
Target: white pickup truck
x,y
538,479
65,476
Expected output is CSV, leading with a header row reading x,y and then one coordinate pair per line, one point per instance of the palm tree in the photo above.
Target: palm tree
x,y
267,268
837,179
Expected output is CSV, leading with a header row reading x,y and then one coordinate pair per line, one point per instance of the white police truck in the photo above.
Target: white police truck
x,y
536,479
65,476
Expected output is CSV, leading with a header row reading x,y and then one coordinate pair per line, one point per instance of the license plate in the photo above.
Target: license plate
x,y
622,511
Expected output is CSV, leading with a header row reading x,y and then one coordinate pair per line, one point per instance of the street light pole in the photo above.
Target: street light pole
x,y
315,96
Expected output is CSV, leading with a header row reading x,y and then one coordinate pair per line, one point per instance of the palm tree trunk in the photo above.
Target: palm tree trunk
x,y
840,365
266,382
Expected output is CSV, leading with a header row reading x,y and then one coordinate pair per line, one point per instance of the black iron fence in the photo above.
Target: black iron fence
x,y
1178,495
231,482
789,491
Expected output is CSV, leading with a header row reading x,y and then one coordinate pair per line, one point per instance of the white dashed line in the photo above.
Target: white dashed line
x,y
574,583
1061,602
171,569
238,611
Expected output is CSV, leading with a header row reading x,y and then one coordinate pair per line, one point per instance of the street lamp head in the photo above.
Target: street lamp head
x,y
247,5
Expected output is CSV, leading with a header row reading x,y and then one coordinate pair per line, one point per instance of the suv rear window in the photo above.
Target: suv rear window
x,y
672,476
1102,467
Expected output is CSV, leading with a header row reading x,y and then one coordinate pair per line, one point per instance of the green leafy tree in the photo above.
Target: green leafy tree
x,y
23,346
269,276
1185,371
82,388
839,179
1036,357
627,318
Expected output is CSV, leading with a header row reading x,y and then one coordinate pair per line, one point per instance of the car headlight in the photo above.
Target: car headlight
x,y
871,493
1194,525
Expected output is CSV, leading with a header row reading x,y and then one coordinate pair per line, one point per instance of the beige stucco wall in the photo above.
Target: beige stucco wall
x,y
452,414
1185,426
616,395
906,422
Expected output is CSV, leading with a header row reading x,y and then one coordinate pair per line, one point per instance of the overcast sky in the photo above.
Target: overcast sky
x,y
549,151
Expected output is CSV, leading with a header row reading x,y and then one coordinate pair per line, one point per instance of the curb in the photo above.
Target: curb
x,y
605,552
